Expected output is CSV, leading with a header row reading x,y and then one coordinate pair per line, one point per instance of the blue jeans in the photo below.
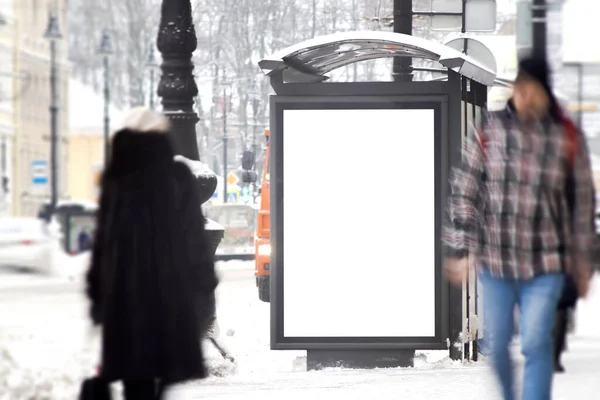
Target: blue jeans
x,y
537,300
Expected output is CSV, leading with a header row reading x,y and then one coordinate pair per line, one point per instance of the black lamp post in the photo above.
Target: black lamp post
x,y
225,140
106,50
177,87
53,35
539,19
151,66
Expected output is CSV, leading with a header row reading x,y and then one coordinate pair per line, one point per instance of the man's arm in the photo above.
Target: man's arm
x,y
583,210
464,200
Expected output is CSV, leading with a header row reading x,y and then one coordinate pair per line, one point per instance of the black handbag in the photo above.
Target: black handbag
x,y
569,294
95,388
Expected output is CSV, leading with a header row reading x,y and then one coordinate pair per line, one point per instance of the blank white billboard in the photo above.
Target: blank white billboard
x,y
359,223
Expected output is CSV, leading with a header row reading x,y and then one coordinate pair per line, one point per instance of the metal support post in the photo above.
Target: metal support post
x,y
106,110
539,21
53,129
225,140
403,15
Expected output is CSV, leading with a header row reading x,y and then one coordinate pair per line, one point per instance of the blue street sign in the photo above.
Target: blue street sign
x,y
39,172
232,197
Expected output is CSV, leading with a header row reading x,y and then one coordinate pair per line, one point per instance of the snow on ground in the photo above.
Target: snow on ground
x,y
273,375
46,349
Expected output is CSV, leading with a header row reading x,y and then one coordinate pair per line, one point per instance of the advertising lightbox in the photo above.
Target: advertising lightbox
x,y
356,222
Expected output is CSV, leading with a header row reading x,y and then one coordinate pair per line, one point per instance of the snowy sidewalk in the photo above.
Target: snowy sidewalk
x,y
45,352
278,374
427,381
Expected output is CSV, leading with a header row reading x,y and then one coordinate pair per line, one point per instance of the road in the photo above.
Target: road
x,y
28,300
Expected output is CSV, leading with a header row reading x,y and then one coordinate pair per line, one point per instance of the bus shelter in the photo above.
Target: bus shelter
x,y
357,278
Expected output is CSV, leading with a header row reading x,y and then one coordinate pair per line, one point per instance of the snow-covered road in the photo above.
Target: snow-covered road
x,y
45,351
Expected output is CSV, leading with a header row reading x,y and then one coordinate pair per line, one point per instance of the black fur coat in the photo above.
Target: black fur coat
x,y
151,281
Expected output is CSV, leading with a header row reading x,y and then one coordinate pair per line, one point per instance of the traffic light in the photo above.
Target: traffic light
x,y
248,160
246,194
249,176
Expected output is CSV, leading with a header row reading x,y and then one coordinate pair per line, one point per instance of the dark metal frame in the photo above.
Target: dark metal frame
x,y
396,95
453,91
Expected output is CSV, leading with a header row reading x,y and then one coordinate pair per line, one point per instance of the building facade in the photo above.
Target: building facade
x,y
31,155
86,153
7,97
86,140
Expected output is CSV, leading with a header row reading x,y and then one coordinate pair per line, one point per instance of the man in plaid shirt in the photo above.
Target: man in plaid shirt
x,y
521,203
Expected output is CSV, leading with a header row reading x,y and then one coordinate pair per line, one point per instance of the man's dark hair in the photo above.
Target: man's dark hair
x,y
532,68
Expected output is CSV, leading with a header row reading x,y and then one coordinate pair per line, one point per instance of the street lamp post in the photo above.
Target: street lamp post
x,y
177,87
225,143
176,42
539,18
151,66
53,34
403,16
106,50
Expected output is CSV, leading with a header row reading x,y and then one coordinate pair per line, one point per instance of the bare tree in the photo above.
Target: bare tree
x,y
233,35
133,25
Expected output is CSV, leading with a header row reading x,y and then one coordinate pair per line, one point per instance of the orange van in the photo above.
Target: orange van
x,y
262,237
262,241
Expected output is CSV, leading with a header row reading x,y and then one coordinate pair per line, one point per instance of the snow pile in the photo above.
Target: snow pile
x,y
428,360
213,225
71,268
234,265
45,352
87,205
199,169
219,367
42,368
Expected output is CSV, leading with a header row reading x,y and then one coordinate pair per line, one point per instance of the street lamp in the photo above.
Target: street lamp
x,y
151,64
53,35
225,85
177,88
106,50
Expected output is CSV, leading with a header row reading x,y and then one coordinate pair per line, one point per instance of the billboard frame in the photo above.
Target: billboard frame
x,y
436,102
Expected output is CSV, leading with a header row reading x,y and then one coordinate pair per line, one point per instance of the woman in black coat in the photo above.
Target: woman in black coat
x,y
151,281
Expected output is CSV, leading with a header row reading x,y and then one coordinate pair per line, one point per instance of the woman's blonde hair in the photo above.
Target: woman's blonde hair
x,y
145,120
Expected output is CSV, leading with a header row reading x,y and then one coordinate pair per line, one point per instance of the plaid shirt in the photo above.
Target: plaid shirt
x,y
508,201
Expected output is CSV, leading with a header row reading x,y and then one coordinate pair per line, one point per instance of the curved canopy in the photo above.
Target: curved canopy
x,y
312,59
